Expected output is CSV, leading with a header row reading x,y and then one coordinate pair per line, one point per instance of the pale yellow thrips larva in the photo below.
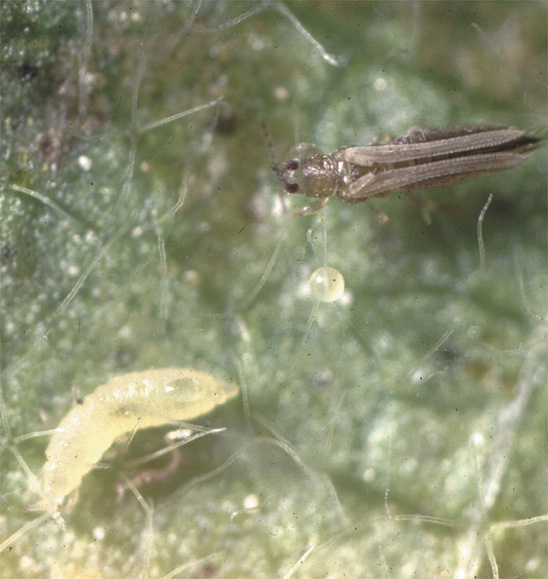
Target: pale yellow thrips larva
x,y
124,404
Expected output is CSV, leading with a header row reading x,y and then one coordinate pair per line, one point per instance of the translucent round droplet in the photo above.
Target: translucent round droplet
x,y
326,284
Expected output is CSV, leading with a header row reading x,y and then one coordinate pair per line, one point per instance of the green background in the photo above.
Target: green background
x,y
405,432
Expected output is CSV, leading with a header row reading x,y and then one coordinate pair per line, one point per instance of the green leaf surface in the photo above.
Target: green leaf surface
x,y
400,431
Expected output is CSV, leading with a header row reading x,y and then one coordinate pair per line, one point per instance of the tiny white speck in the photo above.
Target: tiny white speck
x,y
281,93
532,565
418,376
369,475
251,502
380,83
125,332
84,162
478,439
